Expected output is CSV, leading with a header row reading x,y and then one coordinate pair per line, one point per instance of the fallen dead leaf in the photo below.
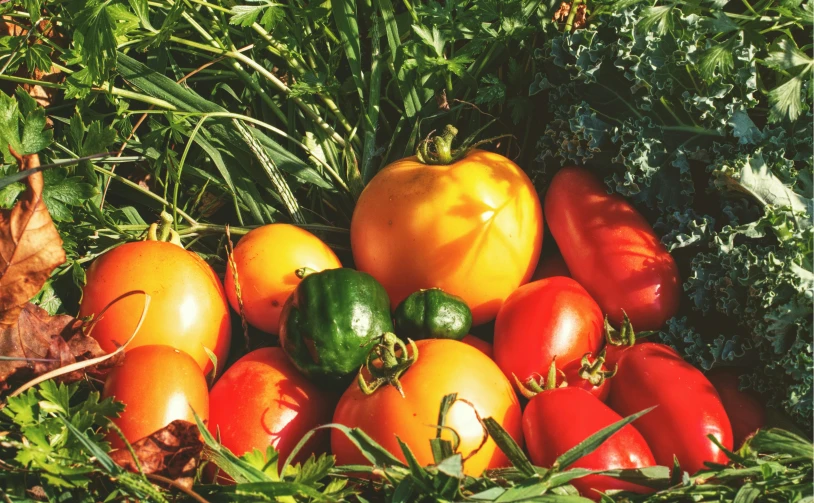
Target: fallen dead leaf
x,y
173,452
40,343
30,246
562,13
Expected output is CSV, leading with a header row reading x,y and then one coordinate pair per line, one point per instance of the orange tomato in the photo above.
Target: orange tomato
x,y
479,344
263,400
472,228
266,259
188,309
157,384
443,366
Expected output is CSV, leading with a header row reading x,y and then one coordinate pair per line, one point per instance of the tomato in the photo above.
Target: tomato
x,y
187,311
558,419
266,259
479,344
546,319
592,375
746,413
157,384
263,400
472,228
550,266
688,407
443,366
611,250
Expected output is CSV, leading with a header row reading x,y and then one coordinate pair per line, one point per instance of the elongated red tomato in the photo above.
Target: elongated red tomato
x,y
556,420
688,407
612,250
550,266
157,384
746,413
550,318
479,344
263,400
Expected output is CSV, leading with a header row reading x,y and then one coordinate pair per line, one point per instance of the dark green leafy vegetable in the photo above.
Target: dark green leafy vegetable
x,y
701,115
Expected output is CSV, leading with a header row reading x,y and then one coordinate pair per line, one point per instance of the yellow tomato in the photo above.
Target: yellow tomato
x,y
266,260
473,228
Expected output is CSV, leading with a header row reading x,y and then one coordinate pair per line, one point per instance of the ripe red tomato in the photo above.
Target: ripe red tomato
x,y
472,228
611,250
266,259
590,374
556,420
188,309
688,407
443,366
479,344
157,384
746,413
543,320
263,400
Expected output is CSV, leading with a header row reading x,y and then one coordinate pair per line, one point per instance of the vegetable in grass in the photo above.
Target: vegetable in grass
x,y
330,322
432,314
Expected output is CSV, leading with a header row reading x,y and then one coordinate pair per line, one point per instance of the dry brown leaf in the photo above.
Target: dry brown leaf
x,y
173,452
562,13
581,17
39,343
30,246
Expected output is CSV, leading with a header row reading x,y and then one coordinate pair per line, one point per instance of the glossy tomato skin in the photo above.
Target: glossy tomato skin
x,y
473,228
444,366
556,420
263,400
266,260
187,311
612,250
550,318
479,344
746,413
688,407
157,384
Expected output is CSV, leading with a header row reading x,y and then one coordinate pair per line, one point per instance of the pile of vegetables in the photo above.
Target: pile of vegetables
x,y
590,288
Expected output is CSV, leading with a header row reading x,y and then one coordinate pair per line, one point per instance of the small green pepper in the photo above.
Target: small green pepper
x,y
433,314
331,321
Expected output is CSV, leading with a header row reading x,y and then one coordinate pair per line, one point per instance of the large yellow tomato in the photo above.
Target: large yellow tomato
x,y
266,259
472,228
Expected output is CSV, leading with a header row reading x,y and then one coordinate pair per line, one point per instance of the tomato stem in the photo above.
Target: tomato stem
x,y
593,372
393,364
163,231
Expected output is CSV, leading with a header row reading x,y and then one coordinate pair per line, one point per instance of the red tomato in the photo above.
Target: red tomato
x,y
688,407
611,250
188,309
746,413
550,318
592,375
479,344
550,266
157,384
556,420
443,366
266,260
263,400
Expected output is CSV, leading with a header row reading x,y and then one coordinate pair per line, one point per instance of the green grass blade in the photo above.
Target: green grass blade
x,y
344,12
372,122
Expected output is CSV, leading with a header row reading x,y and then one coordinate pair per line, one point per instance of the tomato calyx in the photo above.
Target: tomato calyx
x,y
438,149
595,372
302,272
163,231
392,364
625,336
532,387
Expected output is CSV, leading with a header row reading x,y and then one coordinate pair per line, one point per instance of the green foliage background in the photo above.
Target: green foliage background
x,y
250,112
